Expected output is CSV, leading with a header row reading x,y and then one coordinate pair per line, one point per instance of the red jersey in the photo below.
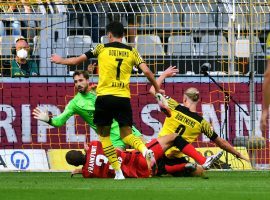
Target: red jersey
x,y
97,164
133,164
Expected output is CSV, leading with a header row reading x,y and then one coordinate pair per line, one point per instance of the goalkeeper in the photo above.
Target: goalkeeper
x,y
83,104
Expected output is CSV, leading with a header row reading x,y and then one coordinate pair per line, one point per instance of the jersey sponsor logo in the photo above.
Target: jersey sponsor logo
x,y
118,53
20,160
185,120
92,159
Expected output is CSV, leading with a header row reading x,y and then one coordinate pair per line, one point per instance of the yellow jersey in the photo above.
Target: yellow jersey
x,y
268,47
185,123
115,63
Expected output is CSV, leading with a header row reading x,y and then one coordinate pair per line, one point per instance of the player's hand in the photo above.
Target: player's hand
x,y
163,104
263,122
56,59
170,71
40,115
91,67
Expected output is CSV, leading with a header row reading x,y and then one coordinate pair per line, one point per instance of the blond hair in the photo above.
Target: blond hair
x,y
193,94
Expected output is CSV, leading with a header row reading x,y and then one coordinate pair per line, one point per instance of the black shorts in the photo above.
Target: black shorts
x,y
110,107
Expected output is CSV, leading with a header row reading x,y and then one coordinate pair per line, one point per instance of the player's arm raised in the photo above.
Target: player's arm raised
x,y
68,61
169,72
150,76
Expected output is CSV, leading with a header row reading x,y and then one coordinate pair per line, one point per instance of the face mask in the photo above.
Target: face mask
x,y
22,54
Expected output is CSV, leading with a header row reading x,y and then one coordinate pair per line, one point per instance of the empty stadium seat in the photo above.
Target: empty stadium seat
x,y
240,17
214,45
199,17
261,17
78,44
224,11
221,17
181,45
104,39
165,17
149,45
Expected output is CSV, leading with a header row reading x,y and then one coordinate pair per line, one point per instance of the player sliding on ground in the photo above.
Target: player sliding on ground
x,y
115,61
83,104
96,165
188,125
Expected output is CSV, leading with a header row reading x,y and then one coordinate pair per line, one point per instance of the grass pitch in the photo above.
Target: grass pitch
x,y
224,185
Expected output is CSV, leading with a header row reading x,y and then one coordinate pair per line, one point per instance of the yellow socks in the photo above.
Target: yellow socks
x,y
110,152
136,143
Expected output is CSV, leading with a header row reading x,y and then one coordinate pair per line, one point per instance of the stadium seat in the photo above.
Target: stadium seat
x,y
104,39
78,44
199,17
149,45
221,17
261,17
214,45
182,45
240,17
165,17
6,42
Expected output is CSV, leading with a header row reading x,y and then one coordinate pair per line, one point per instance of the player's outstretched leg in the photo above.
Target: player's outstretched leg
x,y
211,159
110,153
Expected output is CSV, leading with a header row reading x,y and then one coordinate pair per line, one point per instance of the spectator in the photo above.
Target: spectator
x,y
21,65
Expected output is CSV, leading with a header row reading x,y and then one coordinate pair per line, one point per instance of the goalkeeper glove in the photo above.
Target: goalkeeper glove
x,y
40,115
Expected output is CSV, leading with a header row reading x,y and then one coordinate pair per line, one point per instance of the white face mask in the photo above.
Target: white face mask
x,y
22,54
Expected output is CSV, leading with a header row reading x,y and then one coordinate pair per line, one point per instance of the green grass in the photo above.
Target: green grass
x,y
220,186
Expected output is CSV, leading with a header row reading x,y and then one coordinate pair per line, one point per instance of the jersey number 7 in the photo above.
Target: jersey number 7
x,y
119,60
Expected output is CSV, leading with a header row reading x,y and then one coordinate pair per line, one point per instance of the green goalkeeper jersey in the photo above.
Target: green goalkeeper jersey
x,y
84,106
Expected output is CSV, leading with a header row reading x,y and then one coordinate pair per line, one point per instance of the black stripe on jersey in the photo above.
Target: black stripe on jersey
x,y
118,45
187,112
213,137
89,54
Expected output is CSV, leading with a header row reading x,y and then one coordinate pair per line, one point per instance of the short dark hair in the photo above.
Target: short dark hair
x,y
116,29
79,72
75,158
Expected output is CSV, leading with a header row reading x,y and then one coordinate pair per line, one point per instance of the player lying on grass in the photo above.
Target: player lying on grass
x,y
188,125
83,104
133,164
